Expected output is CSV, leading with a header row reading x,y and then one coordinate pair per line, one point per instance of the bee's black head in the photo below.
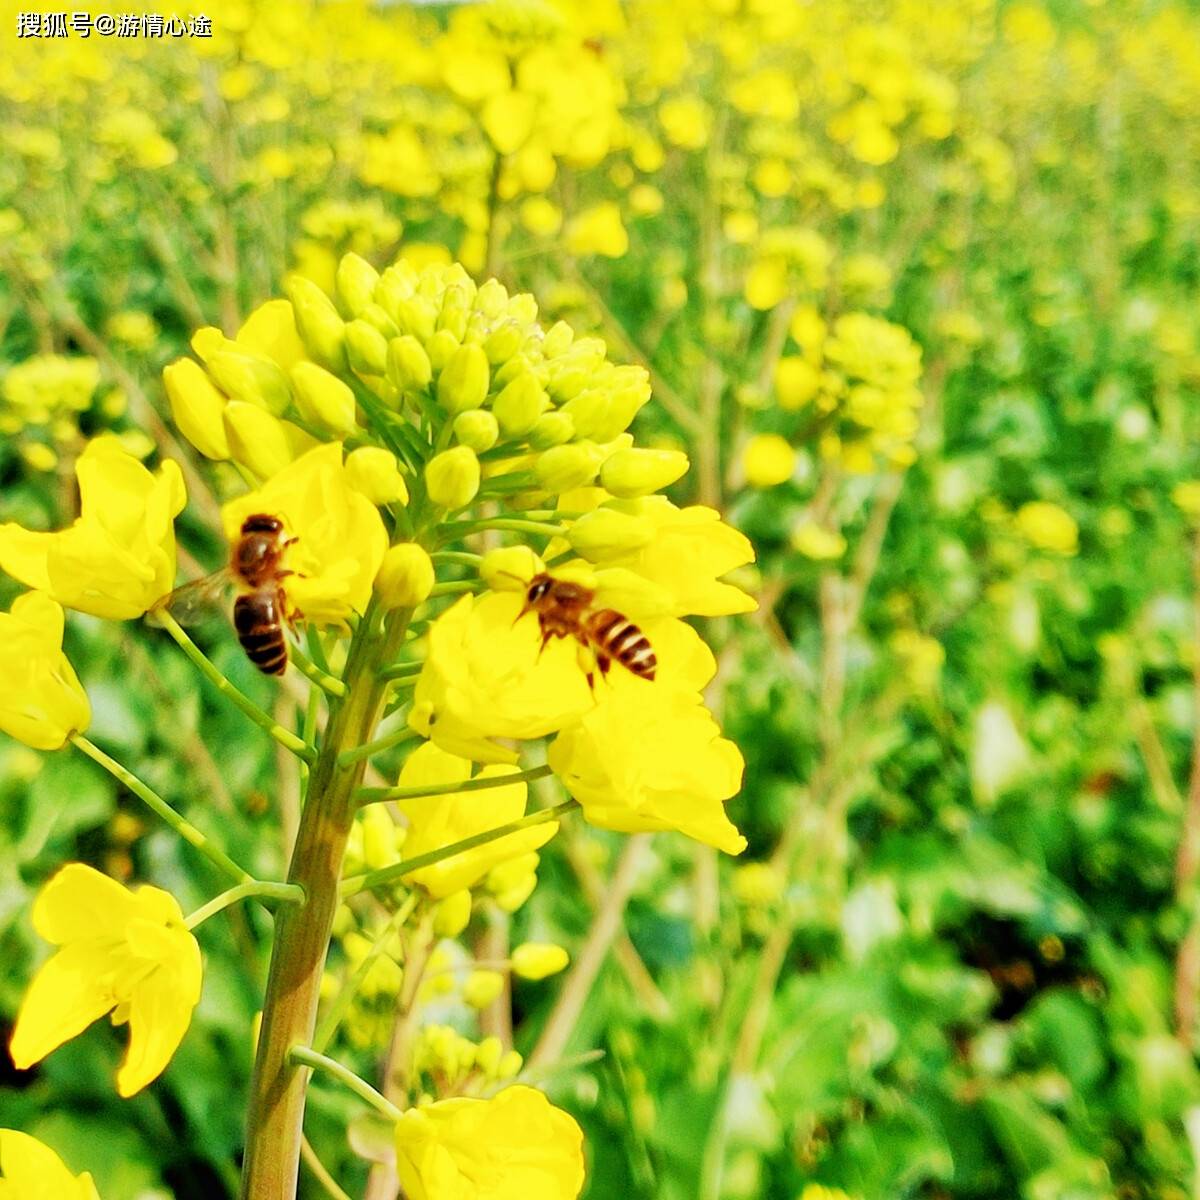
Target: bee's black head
x,y
262,523
538,588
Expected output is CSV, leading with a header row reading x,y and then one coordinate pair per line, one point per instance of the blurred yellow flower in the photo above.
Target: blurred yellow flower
x,y
539,960
515,1146
768,460
43,703
119,951
486,677
342,540
1045,526
438,821
32,1171
598,230
118,559
1186,497
815,541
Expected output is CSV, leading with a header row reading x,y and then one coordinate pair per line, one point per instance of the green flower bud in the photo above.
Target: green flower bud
x,y
630,473
408,365
366,348
374,315
405,577
257,439
415,315
452,914
514,368
252,379
323,399
607,533
463,383
197,408
519,405
562,468
536,960
441,349
321,328
558,339
477,429
456,310
452,477
503,342
552,429
374,472
356,283
491,299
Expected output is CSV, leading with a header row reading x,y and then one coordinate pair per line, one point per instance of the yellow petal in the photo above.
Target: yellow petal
x,y
32,1171
80,902
159,1014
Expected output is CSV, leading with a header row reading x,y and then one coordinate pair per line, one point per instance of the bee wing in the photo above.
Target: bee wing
x,y
196,601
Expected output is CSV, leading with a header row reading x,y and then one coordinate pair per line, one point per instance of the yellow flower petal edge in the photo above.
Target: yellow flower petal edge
x,y
42,703
515,1146
118,949
32,1171
118,559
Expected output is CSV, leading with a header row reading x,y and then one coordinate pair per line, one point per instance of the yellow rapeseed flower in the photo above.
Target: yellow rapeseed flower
x,y
1048,527
598,230
119,951
484,678
118,559
768,460
438,821
43,702
515,1146
32,1171
341,538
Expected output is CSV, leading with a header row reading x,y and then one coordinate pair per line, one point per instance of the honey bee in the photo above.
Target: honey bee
x,y
261,608
565,609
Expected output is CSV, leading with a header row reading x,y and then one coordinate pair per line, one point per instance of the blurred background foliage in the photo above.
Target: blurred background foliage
x,y
917,284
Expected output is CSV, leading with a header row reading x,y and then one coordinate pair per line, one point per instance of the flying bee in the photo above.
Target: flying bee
x,y
261,608
565,609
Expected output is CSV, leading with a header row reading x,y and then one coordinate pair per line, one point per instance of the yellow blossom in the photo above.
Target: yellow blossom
x,y
32,1171
341,538
1048,527
817,542
118,559
43,703
767,460
685,553
515,1146
598,230
439,821
119,951
485,678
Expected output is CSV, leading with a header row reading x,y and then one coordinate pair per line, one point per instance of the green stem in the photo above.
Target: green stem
x,y
402,673
306,1056
455,587
275,1119
284,737
155,802
385,876
290,893
345,997
451,530
462,558
478,784
396,738
327,683
320,1171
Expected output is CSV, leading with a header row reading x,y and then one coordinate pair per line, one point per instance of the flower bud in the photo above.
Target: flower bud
x,y
607,533
441,348
510,568
196,408
489,1052
478,429
552,429
323,399
379,837
408,365
405,577
503,342
257,439
491,299
558,339
509,1066
356,282
414,314
209,340
456,310
463,383
519,405
480,989
366,348
452,914
511,898
768,460
630,473
375,316
506,372
537,960
252,379
562,468
374,472
452,477
321,329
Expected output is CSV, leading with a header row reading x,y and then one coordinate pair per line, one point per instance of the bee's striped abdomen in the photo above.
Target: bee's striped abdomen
x,y
258,620
619,638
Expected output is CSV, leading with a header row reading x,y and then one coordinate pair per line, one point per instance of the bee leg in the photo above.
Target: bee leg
x,y
603,662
